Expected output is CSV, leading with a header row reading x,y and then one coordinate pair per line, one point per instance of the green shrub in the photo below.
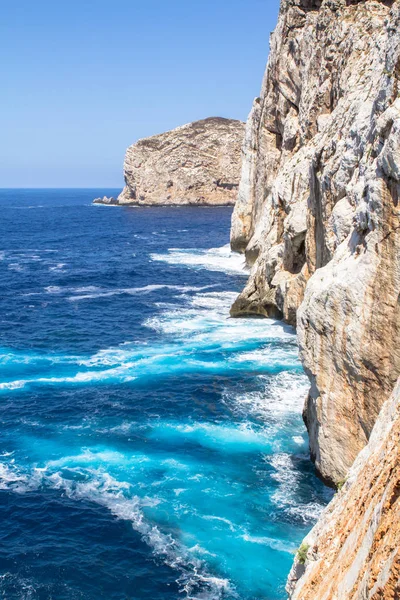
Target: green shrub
x,y
302,553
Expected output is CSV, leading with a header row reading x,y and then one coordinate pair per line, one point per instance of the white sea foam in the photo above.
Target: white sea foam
x,y
12,385
244,437
148,289
283,393
286,496
30,207
102,488
215,259
298,439
217,301
91,292
197,549
206,320
123,374
307,512
196,331
270,355
53,289
10,477
56,289
16,267
58,267
272,543
287,477
227,522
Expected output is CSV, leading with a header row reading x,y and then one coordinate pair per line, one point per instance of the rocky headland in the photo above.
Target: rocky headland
x,y
318,218
196,164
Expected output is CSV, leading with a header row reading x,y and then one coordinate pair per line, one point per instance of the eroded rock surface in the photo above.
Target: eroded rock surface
x,y
197,164
318,211
353,553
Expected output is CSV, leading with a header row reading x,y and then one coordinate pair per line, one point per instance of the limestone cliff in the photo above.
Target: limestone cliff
x,y
318,211
198,163
353,553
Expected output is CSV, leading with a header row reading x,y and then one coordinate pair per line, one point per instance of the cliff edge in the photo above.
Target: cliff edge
x,y
318,211
197,164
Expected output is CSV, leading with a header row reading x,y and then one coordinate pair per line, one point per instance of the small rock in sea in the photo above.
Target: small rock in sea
x,y
105,200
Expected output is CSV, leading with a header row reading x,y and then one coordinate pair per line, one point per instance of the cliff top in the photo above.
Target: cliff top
x,y
193,129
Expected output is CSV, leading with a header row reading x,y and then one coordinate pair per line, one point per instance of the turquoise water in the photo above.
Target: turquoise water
x,y
151,446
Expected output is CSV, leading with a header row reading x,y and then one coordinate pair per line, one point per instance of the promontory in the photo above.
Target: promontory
x,y
197,164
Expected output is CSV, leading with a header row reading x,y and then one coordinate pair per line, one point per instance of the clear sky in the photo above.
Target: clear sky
x,y
83,79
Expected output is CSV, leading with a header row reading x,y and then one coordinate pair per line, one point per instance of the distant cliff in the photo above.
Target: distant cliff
x,y
196,164
318,216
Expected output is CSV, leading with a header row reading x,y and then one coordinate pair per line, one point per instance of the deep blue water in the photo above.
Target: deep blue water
x,y
151,447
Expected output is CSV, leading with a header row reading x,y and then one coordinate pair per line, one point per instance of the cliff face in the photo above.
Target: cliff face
x,y
318,211
198,163
353,553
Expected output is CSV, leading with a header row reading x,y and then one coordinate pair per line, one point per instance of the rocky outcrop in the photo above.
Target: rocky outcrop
x,y
109,201
353,553
318,211
197,164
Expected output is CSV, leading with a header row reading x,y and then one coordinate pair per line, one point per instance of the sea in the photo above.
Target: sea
x,y
151,447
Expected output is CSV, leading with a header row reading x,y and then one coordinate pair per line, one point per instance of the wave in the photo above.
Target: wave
x,y
141,488
159,362
227,522
92,292
234,439
216,259
284,394
82,477
207,318
58,267
16,267
11,478
120,374
286,497
57,289
30,207
272,543
12,385
197,337
148,289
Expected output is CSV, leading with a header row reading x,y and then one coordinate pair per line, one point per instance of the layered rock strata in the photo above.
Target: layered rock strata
x,y
196,164
318,211
353,553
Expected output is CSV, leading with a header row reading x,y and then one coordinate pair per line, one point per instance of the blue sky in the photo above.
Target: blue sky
x,y
83,79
